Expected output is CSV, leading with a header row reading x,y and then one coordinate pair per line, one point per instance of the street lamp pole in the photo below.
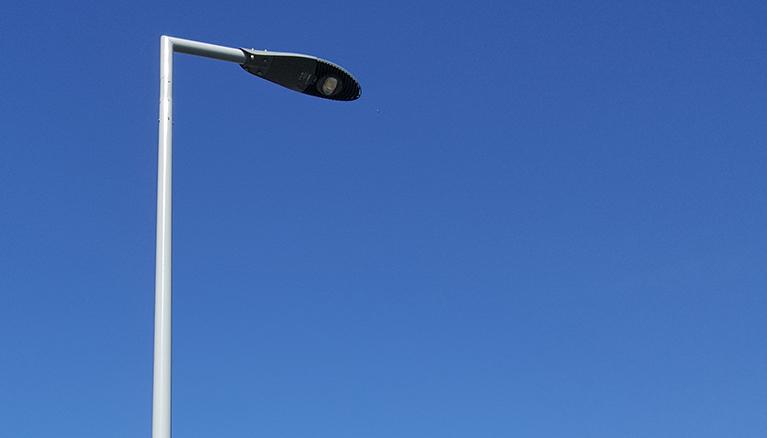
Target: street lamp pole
x,y
162,318
302,73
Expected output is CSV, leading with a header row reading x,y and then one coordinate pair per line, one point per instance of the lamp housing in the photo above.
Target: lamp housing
x,y
303,73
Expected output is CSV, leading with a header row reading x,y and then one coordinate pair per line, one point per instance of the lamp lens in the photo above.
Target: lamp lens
x,y
329,86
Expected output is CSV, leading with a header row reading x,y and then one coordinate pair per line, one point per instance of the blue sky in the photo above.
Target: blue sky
x,y
541,219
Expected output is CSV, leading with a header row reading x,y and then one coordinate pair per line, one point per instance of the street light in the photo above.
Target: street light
x,y
302,73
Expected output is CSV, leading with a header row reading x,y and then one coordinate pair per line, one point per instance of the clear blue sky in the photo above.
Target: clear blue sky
x,y
542,219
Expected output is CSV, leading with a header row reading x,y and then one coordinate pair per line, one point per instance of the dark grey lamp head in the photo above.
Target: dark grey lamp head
x,y
302,73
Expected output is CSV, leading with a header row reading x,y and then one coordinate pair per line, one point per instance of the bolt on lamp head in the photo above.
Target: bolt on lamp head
x,y
302,73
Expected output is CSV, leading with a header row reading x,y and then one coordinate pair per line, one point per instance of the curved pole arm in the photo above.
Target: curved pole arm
x,y
206,50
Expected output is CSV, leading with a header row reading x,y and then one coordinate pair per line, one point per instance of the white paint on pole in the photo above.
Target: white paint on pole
x,y
161,389
162,305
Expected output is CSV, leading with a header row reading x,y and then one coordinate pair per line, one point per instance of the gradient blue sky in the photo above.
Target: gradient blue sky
x,y
542,219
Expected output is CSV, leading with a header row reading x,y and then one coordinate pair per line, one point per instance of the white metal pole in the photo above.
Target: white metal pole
x,y
162,305
161,392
